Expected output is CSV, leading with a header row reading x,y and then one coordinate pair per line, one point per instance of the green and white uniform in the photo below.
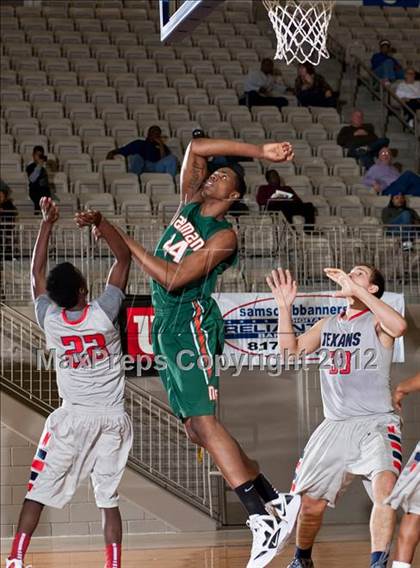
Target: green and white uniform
x,y
188,327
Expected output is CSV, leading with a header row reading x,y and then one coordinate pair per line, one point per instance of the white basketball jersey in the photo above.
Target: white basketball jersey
x,y
87,356
354,368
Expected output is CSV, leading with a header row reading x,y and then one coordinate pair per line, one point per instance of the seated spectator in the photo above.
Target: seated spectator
x,y
383,173
8,209
397,213
261,89
276,196
407,184
360,140
312,89
150,155
409,92
38,177
8,213
384,65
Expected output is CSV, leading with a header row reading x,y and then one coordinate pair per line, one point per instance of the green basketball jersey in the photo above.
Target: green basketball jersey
x,y
188,233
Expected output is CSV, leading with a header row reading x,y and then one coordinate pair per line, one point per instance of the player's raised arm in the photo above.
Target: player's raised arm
x,y
40,253
118,274
194,166
173,275
284,290
391,324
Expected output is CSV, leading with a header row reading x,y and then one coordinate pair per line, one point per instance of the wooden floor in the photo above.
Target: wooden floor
x,y
326,555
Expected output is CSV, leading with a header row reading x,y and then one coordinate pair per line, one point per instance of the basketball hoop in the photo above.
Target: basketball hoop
x,y
301,28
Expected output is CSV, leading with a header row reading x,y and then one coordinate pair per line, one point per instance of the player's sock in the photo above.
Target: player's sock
x,y
20,546
113,555
250,498
304,553
379,555
264,488
397,564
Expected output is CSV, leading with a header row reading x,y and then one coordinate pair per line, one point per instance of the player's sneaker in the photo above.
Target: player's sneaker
x,y
301,563
15,564
382,562
266,533
286,507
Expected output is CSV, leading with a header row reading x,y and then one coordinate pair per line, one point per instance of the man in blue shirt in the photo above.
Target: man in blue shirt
x,y
385,66
150,155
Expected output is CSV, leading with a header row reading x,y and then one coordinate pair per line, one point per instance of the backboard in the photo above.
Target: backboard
x,y
178,18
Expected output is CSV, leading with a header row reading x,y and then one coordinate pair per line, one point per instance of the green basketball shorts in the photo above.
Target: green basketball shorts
x,y
185,344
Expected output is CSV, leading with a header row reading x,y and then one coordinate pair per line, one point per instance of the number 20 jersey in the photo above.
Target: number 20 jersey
x,y
87,357
355,368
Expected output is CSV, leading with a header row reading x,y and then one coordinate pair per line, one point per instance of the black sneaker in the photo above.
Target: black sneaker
x,y
301,563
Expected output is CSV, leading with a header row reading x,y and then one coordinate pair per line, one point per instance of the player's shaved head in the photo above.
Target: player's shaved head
x,y
64,284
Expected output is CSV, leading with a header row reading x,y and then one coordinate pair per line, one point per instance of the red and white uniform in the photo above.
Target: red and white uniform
x,y
90,434
361,434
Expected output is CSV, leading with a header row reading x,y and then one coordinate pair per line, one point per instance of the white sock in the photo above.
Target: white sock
x,y
397,564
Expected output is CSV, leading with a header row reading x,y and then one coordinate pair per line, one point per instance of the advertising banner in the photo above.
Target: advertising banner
x,y
251,321
251,325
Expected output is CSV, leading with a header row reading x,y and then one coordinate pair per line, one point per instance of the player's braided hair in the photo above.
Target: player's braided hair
x,y
64,283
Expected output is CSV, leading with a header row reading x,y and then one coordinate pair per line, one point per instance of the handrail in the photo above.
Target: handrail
x,y
161,451
379,91
262,245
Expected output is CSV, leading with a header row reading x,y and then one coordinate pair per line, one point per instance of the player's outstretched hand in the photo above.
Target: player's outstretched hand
x,y
278,152
49,210
283,287
87,218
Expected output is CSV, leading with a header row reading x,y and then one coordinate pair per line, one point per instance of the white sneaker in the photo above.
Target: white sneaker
x,y
266,532
287,508
15,564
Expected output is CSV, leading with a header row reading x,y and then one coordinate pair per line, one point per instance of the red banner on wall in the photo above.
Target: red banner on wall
x,y
139,331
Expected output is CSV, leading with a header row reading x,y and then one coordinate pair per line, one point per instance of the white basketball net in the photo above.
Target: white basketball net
x,y
301,28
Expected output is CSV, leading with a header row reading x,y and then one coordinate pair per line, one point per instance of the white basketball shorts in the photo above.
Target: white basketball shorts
x,y
76,444
339,450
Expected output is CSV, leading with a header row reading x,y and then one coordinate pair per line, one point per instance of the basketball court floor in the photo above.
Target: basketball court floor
x,y
337,548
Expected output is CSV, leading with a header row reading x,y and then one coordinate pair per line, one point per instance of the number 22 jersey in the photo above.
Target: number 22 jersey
x,y
87,352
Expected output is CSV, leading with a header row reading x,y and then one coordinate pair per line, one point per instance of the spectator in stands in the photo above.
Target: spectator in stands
x,y
409,92
277,196
385,178
360,140
407,184
8,209
397,213
384,65
312,89
261,88
150,155
383,173
8,213
38,177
